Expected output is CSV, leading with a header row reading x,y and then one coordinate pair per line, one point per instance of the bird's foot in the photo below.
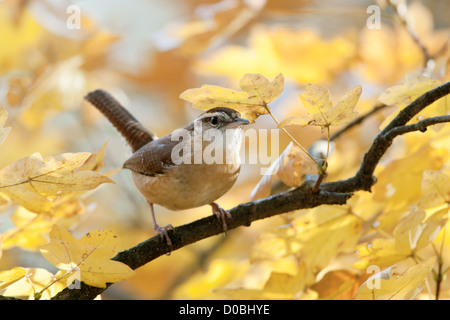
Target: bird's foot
x,y
221,215
162,231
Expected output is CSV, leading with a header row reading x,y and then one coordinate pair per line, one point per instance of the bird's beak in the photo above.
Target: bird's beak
x,y
238,122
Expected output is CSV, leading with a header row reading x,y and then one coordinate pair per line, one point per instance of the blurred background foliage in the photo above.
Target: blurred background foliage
x,y
146,52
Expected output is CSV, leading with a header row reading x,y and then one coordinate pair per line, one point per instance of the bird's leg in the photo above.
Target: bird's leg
x,y
221,214
162,231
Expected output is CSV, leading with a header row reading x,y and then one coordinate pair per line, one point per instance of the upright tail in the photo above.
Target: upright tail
x,y
132,130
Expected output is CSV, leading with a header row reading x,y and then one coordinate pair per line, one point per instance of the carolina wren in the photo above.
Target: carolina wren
x,y
167,171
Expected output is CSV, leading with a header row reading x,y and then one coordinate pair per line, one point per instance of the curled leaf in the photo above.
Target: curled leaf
x,y
290,167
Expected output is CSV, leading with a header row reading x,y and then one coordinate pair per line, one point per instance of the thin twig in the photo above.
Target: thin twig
x,y
419,126
357,121
401,11
364,179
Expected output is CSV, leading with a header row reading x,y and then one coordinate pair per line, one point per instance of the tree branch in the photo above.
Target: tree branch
x,y
300,198
357,121
364,179
243,215
419,126
401,11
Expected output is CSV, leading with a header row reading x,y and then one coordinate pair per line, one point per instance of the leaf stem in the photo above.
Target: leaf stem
x,y
38,295
328,146
319,167
439,275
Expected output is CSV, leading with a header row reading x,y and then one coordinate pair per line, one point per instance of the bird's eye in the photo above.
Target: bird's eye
x,y
214,121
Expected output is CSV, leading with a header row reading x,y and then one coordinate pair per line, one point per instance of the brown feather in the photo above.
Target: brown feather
x,y
153,158
131,129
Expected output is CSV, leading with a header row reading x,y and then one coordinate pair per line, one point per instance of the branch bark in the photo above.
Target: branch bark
x,y
337,192
243,215
364,179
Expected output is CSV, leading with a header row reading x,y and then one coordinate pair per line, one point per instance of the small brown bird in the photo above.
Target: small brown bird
x,y
188,168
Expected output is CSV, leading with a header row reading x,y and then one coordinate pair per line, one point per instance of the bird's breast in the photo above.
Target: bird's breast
x,y
188,186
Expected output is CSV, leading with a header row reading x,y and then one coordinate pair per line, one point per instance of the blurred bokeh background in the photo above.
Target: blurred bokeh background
x,y
147,52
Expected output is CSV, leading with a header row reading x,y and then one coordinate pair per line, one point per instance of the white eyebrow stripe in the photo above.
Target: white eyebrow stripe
x,y
214,114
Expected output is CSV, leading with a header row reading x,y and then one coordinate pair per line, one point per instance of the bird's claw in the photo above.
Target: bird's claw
x,y
221,215
162,231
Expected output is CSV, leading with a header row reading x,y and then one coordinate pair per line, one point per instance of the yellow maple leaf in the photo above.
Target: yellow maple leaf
x,y
412,233
194,36
8,277
34,280
320,244
338,285
410,89
391,286
279,286
320,111
300,54
88,259
435,188
95,161
257,92
399,187
262,281
60,86
33,182
219,273
387,53
3,131
21,37
30,230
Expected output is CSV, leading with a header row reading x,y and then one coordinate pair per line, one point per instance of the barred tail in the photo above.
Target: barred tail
x,y
132,130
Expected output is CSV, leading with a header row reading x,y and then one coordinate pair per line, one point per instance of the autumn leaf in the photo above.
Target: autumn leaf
x,y
305,254
320,242
47,95
316,236
338,285
392,286
257,92
34,280
303,55
410,89
435,188
279,286
95,161
34,183
399,182
88,259
411,234
389,52
3,131
8,277
30,230
320,111
20,37
218,274
291,167
194,37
